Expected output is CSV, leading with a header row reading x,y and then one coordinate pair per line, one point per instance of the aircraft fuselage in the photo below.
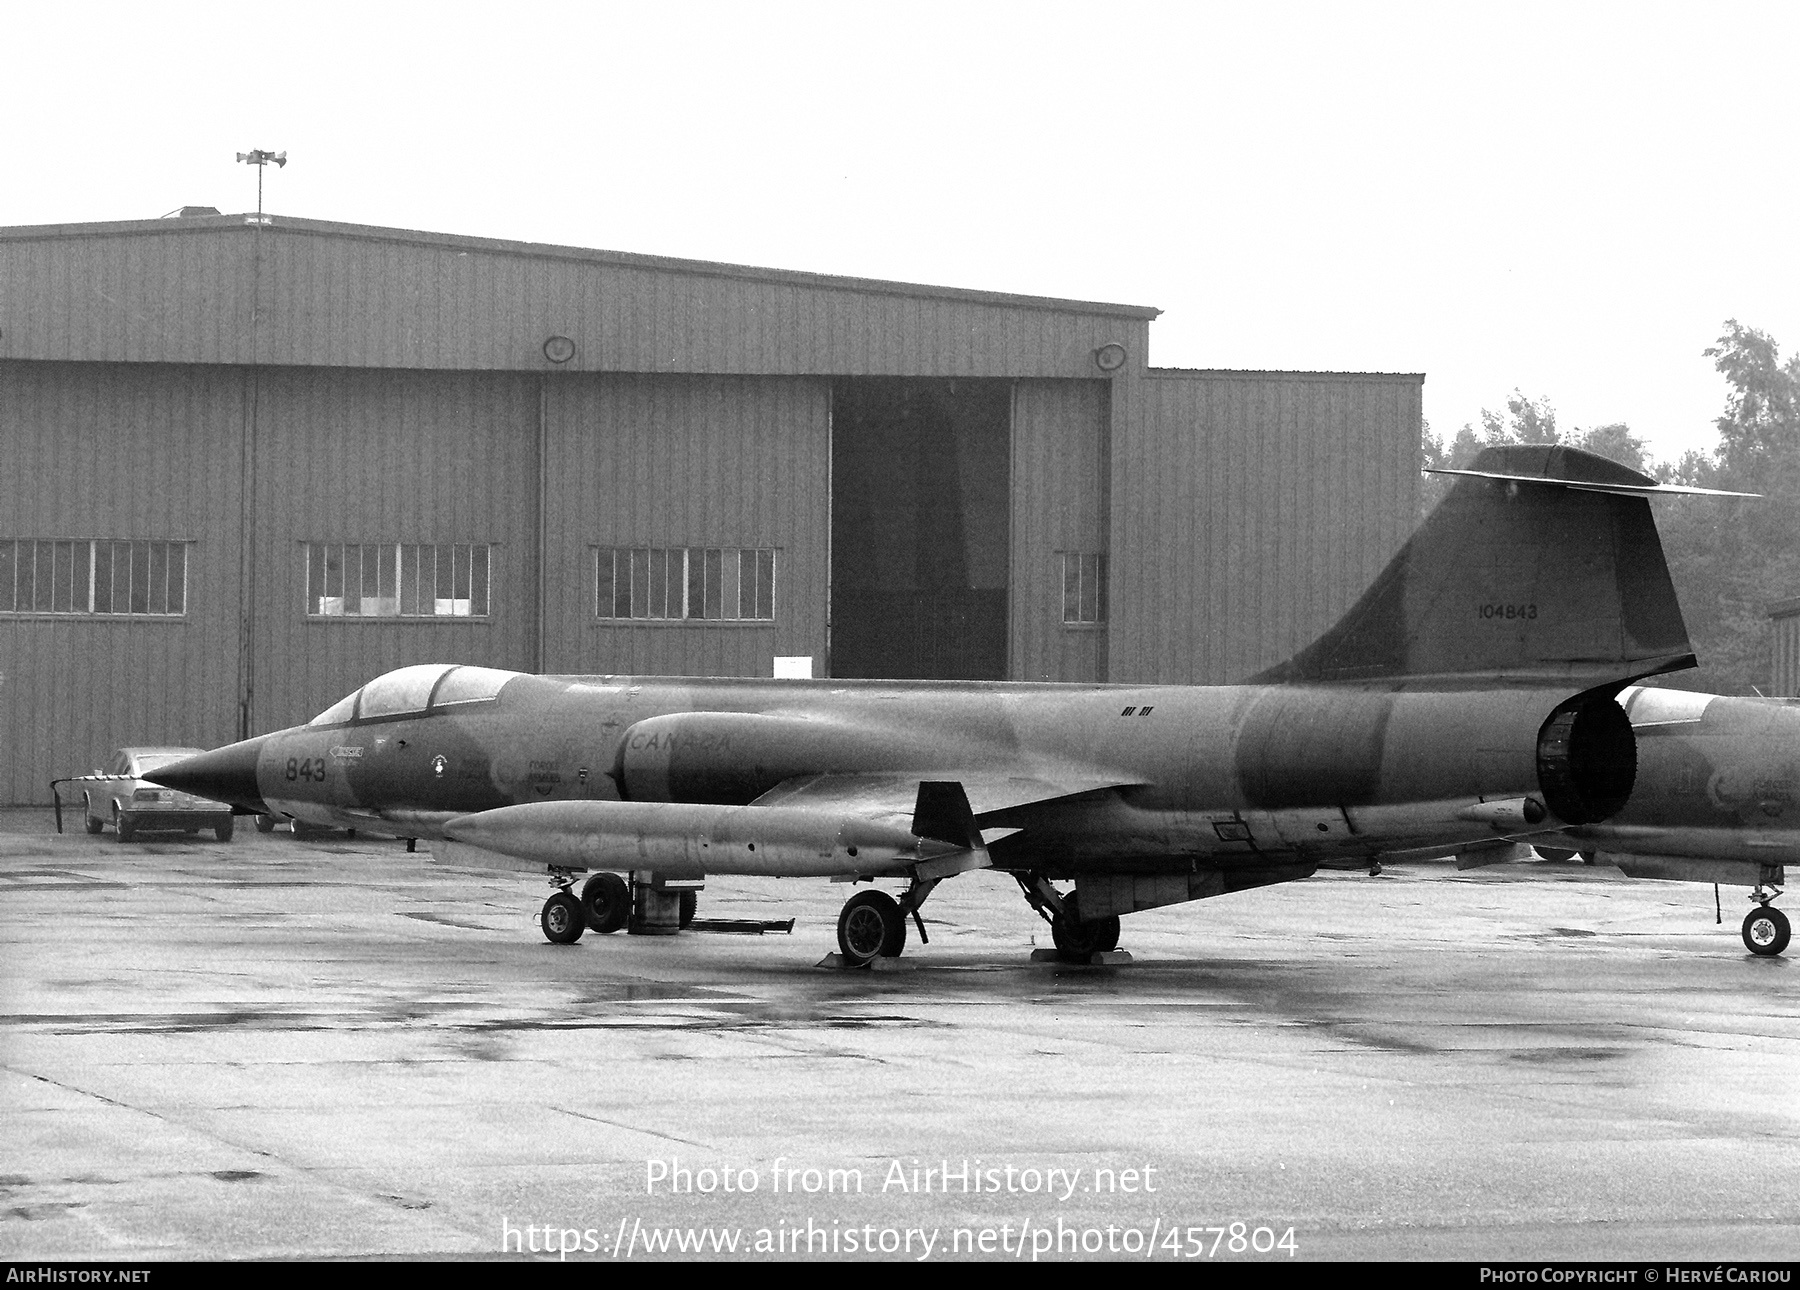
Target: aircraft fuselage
x,y
1177,774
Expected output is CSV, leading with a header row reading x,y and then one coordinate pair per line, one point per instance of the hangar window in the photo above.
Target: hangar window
x,y
93,576
710,583
1084,586
397,580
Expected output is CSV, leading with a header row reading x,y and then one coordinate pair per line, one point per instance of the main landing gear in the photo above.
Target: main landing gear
x,y
1766,929
872,924
1076,939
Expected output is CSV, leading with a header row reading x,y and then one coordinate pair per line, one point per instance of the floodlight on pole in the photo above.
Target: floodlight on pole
x,y
247,561
261,158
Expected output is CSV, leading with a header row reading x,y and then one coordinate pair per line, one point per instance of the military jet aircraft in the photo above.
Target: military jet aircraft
x,y
1469,694
1717,800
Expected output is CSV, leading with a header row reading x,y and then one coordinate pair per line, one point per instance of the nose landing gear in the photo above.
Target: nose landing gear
x,y
562,919
1766,928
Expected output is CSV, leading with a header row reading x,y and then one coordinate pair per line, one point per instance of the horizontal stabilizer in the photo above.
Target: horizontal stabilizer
x,y
1555,464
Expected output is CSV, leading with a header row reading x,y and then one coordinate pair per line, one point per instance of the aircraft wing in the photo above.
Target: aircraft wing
x,y
895,796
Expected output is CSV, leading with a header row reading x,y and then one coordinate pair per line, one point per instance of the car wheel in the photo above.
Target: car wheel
x,y
93,822
123,824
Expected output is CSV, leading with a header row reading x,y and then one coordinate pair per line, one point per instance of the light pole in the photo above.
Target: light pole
x,y
260,158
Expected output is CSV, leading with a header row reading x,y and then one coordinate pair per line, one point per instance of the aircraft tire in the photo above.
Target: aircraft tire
x,y
1555,853
125,826
224,829
1078,938
871,926
690,902
265,824
562,919
606,902
1766,931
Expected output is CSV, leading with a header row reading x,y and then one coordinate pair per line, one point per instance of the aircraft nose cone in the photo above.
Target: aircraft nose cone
x,y
225,774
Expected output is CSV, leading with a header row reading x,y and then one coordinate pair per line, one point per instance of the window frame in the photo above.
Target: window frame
x,y
1090,603
75,570
398,574
623,577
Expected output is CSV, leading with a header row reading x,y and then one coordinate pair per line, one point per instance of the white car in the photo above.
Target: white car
x,y
116,794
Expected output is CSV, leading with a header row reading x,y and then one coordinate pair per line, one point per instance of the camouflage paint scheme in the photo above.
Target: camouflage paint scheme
x,y
1467,695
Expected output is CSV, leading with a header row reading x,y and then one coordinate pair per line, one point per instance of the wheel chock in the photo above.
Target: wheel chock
x,y
1104,958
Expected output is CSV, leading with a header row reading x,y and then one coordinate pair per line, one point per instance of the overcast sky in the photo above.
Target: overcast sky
x,y
1566,199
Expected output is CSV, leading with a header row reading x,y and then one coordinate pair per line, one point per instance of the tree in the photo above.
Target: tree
x,y
1731,559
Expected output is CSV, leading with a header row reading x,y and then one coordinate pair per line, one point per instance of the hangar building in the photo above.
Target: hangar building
x,y
252,461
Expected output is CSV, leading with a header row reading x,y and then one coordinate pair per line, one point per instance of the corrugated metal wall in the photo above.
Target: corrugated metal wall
x,y
389,457
1060,477
119,452
1249,510
687,461
342,295
1784,623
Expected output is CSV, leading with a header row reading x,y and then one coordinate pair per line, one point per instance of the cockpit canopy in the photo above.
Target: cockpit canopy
x,y
416,691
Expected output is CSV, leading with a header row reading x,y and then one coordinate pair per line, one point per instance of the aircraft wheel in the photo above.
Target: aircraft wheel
x,y
123,824
265,824
690,901
1554,853
94,823
1766,930
605,902
1078,938
871,926
224,829
562,919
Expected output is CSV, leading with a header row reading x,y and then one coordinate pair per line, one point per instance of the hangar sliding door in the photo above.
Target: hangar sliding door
x,y
920,520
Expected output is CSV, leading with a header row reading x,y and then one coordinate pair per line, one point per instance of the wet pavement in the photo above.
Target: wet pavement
x,y
274,1047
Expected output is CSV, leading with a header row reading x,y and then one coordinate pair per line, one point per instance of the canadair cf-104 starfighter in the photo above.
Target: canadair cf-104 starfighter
x,y
1468,695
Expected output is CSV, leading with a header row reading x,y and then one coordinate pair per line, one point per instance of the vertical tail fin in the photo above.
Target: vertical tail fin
x,y
1543,562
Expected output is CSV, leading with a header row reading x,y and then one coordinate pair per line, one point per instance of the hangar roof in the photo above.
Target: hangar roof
x,y
227,289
